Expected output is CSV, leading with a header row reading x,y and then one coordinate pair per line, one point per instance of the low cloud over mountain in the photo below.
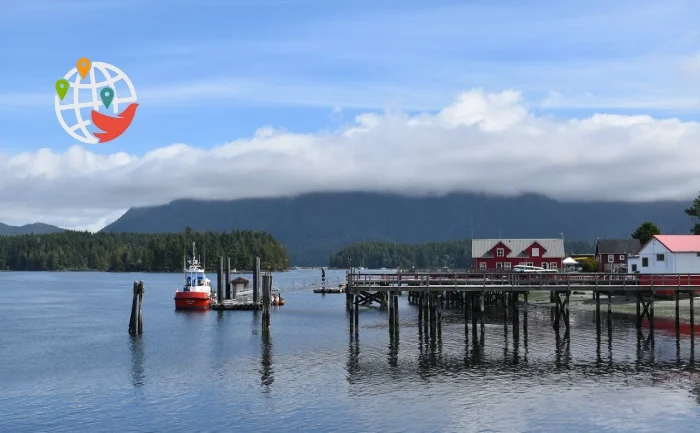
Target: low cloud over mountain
x,y
482,142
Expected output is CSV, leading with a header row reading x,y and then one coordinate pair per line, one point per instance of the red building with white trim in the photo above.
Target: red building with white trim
x,y
503,254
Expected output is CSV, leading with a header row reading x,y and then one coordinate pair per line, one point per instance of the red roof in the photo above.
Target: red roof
x,y
680,243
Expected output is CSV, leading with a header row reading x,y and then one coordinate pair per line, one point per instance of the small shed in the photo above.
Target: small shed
x,y
239,285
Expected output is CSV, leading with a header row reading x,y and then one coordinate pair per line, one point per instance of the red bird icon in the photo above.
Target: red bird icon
x,y
113,127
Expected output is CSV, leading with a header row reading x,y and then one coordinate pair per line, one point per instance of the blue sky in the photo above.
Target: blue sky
x,y
212,72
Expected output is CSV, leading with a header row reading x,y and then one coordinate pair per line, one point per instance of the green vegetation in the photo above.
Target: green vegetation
x,y
694,212
131,252
588,264
645,232
452,254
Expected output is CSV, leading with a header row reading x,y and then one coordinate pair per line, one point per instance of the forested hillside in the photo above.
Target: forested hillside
x,y
451,254
313,226
162,252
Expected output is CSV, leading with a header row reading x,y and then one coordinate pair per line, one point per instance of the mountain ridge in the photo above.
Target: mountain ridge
x,y
313,226
28,229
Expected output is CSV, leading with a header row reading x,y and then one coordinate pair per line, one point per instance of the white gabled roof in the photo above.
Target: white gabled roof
x,y
482,247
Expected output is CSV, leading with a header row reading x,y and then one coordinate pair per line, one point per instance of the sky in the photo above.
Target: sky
x,y
595,100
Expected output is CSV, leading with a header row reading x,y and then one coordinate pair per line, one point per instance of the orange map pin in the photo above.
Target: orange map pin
x,y
83,66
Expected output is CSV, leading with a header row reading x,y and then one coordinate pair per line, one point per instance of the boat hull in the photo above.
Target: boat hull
x,y
192,300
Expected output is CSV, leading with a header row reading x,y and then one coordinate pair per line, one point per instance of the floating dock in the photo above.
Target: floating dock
x,y
232,304
339,289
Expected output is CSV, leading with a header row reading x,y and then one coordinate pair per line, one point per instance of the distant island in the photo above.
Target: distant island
x,y
137,252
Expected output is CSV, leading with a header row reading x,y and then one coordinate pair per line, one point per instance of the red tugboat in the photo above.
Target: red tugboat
x,y
197,292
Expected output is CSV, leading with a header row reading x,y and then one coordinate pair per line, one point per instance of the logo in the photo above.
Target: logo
x,y
88,100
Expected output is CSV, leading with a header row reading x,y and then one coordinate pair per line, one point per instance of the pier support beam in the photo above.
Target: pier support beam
x,y
647,310
561,310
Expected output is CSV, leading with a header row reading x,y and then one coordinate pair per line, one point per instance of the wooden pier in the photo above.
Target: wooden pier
x,y
471,291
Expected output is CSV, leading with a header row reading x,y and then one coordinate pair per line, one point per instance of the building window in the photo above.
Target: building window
x,y
535,252
529,264
544,265
553,265
506,266
500,252
499,266
611,258
634,267
482,265
645,262
660,257
622,257
697,254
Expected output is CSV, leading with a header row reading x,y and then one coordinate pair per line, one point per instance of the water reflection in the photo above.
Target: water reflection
x,y
428,353
138,374
266,367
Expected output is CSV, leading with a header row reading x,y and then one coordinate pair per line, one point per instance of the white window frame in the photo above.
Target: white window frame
x,y
506,266
611,258
553,265
529,264
622,257
482,265
662,259
500,252
499,266
544,265
535,252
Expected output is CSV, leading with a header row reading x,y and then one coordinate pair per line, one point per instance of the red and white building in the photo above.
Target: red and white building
x,y
667,254
503,254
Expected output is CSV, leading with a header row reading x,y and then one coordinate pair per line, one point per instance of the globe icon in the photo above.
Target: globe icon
x,y
75,109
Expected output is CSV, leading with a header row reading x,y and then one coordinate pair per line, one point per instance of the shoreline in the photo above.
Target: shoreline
x,y
580,300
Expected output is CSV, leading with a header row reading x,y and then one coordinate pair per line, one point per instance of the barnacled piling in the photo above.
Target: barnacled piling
x,y
136,320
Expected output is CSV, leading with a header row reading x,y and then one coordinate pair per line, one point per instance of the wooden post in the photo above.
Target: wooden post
x,y
678,309
256,280
220,281
396,308
140,318
232,290
266,298
692,315
639,312
134,309
227,280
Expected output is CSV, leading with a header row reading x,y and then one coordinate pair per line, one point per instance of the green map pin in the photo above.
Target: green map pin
x,y
62,87
107,95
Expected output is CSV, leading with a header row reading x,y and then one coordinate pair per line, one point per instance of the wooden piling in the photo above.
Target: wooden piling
x,y
227,280
134,309
266,301
678,307
136,320
140,319
692,315
256,280
220,281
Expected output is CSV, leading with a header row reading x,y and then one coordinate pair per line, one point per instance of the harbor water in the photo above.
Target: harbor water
x,y
67,363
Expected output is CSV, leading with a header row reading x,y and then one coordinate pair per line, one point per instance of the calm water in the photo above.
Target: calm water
x,y
67,363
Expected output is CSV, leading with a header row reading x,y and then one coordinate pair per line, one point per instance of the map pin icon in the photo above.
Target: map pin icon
x,y
107,95
83,66
62,87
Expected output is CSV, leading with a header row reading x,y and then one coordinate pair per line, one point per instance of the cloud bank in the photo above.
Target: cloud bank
x,y
482,142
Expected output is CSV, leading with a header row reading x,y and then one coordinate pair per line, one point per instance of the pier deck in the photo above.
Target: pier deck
x,y
522,282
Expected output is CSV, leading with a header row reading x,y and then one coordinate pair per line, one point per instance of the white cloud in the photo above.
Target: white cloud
x,y
484,142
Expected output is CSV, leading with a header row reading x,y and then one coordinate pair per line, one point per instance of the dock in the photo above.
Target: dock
x,y
233,304
472,291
